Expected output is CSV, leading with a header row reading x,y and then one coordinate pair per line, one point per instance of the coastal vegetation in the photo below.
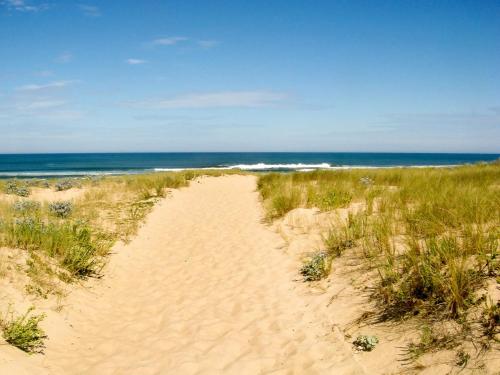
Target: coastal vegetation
x,y
77,234
429,236
24,331
62,241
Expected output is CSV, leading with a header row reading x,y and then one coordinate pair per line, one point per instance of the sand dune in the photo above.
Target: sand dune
x,y
203,289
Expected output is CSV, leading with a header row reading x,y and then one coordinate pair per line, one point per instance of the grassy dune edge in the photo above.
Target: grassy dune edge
x,y
57,232
429,238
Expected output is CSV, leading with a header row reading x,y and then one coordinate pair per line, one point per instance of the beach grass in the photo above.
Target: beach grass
x,y
69,239
23,331
430,234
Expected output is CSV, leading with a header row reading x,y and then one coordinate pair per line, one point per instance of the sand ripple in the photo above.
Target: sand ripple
x,y
203,289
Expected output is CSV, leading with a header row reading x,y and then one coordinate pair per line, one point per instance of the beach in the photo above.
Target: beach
x,y
203,288
208,284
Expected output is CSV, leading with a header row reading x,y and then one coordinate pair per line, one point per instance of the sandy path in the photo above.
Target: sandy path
x,y
202,289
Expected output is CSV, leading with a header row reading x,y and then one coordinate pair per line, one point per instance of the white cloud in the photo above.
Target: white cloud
x,y
170,41
64,58
55,84
208,43
44,104
90,10
24,6
225,99
135,61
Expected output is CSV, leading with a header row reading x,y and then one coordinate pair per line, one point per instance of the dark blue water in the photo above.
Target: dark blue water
x,y
37,165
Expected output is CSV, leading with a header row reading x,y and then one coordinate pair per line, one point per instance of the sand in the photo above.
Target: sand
x,y
45,195
204,288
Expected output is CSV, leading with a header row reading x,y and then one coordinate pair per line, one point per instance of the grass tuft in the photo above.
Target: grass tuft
x,y
23,331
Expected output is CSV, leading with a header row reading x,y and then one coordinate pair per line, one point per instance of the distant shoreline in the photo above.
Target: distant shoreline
x,y
78,165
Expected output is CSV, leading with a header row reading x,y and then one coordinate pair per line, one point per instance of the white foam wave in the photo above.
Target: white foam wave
x,y
246,167
298,167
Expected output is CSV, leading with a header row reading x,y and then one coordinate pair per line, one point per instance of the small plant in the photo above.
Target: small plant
x,y
16,188
24,332
64,185
491,318
24,207
61,209
431,340
336,242
81,259
365,343
317,267
462,358
334,199
367,181
26,223
285,202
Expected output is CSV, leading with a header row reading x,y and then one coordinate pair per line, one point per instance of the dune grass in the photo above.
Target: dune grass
x,y
66,241
23,331
72,238
431,234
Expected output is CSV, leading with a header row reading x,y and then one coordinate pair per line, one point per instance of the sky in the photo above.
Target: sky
x,y
260,75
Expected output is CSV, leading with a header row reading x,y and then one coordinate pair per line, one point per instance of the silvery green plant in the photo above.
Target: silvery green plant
x,y
64,185
16,188
365,343
61,209
317,267
26,223
26,206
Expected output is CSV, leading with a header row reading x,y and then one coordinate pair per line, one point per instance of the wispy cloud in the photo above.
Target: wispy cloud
x,y
55,84
135,61
44,104
206,44
90,10
170,41
24,6
64,58
225,99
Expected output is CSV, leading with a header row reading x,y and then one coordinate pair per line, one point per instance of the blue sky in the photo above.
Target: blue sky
x,y
280,75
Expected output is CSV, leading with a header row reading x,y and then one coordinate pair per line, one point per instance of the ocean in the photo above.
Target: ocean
x,y
52,165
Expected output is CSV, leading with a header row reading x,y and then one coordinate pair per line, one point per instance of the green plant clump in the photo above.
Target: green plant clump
x,y
24,207
70,244
61,209
365,343
64,185
317,267
23,332
15,188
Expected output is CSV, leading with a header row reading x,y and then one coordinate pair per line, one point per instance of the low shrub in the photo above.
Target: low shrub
x,y
64,185
26,207
16,188
61,209
317,267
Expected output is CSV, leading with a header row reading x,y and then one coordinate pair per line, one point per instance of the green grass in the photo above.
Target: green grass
x,y
70,240
431,235
23,331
